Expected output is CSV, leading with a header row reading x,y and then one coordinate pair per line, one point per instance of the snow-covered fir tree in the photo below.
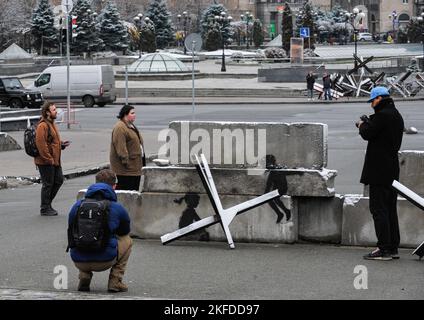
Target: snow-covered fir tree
x,y
258,33
44,33
307,21
161,17
287,27
112,31
208,21
14,30
87,36
213,40
148,37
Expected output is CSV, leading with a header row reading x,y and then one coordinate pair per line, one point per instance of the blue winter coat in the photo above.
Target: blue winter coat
x,y
119,224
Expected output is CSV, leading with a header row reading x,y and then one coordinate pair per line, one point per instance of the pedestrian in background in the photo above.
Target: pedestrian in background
x,y
127,150
383,130
48,161
310,81
326,80
116,252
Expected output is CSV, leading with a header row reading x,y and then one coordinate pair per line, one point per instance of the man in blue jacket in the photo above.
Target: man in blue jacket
x,y
115,255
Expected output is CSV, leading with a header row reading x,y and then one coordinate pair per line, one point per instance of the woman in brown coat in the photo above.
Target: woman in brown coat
x,y
126,150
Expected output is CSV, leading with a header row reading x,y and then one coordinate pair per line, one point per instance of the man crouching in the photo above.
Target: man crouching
x,y
98,234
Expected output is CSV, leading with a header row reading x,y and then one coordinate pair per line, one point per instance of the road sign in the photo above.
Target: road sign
x,y
304,32
67,5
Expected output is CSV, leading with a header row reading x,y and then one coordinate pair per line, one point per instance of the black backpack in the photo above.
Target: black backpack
x,y
29,140
89,230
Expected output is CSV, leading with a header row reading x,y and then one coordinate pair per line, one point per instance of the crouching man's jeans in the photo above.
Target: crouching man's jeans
x,y
117,265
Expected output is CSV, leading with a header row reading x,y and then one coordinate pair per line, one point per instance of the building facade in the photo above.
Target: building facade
x,y
382,16
378,13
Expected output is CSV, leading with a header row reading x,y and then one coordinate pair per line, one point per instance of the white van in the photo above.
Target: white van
x,y
89,84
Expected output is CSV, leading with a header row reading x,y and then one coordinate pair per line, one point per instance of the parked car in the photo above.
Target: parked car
x,y
89,85
15,95
364,36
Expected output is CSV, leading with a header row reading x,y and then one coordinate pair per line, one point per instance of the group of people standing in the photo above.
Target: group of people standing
x,y
327,85
126,154
126,161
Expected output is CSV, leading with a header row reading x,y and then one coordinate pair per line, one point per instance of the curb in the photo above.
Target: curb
x,y
36,179
65,294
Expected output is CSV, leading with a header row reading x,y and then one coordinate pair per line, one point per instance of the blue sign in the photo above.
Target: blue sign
x,y
304,32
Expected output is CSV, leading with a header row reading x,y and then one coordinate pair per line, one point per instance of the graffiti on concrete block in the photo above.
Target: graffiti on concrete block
x,y
190,215
277,180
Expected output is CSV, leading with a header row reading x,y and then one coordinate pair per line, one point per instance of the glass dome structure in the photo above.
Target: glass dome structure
x,y
158,63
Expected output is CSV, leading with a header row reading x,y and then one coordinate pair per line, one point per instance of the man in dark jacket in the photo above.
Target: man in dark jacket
x,y
117,252
326,80
383,130
310,80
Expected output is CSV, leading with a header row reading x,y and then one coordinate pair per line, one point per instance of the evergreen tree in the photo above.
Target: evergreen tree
x,y
42,28
208,22
87,36
414,31
287,27
307,21
148,37
112,31
213,40
258,34
161,17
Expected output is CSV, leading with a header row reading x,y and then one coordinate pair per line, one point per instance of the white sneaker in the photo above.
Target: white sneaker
x,y
313,99
309,99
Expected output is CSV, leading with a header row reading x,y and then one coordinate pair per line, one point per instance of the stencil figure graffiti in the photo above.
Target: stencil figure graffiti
x,y
190,215
277,180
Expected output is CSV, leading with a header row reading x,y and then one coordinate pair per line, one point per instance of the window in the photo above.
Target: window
x,y
43,80
405,1
12,83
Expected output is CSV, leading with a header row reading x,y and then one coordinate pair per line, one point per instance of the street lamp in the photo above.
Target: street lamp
x,y
248,17
421,21
351,19
186,19
138,20
222,21
393,17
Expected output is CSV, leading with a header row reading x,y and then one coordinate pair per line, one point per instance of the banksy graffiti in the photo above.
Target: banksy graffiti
x,y
277,180
190,215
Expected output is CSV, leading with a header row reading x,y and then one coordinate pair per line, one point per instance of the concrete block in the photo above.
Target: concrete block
x,y
411,175
358,225
295,182
160,214
130,200
412,170
245,144
320,219
7,143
